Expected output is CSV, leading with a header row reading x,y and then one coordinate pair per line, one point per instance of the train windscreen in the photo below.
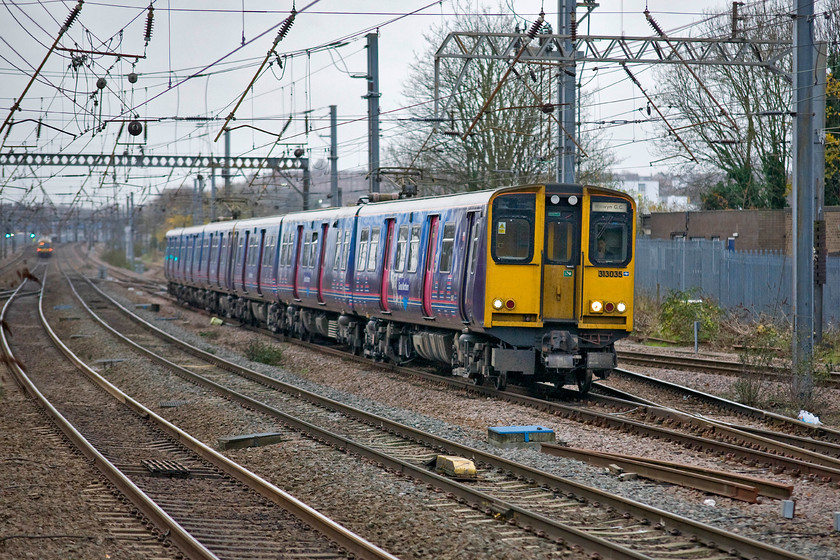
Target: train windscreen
x,y
610,231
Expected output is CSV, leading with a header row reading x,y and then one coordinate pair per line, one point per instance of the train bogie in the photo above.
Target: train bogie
x,y
530,283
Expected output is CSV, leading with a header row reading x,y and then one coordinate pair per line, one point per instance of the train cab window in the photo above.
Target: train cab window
x,y
561,235
513,228
610,232
364,237
414,249
402,249
447,247
374,248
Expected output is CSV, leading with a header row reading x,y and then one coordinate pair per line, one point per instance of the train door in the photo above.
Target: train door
x,y
242,260
233,243
386,266
562,256
468,268
321,264
296,266
428,276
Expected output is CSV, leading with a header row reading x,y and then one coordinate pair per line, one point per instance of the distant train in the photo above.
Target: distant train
x,y
528,283
44,247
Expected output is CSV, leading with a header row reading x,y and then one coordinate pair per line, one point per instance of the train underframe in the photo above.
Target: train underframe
x,y
560,355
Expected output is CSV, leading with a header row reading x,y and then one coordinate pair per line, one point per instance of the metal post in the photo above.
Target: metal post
x,y
819,172
129,231
336,200
373,110
212,194
566,98
200,200
306,181
803,202
226,169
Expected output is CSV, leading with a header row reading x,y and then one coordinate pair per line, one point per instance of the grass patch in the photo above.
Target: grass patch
x,y
209,335
263,353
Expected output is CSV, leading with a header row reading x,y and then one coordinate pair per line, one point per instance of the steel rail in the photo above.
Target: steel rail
x,y
730,542
726,404
353,543
185,542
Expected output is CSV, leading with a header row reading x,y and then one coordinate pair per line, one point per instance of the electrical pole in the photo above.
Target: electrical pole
x,y
820,241
803,200
336,199
566,97
373,110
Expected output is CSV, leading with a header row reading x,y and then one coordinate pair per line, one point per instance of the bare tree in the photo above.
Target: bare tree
x,y
514,142
747,140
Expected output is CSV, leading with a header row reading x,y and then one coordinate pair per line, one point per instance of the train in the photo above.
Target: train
x,y
523,284
44,247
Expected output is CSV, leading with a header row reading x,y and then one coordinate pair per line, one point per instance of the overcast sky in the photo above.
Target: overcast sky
x,y
196,65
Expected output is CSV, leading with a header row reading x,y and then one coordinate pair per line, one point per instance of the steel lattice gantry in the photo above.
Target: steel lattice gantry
x,y
550,48
196,162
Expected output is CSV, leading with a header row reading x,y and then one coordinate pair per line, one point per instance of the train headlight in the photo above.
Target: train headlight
x,y
621,307
596,306
498,304
573,200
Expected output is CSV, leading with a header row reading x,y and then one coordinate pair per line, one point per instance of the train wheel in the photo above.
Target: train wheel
x,y
584,381
500,381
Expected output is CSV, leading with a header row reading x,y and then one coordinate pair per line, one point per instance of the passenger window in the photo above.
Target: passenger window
x,y
337,259
402,249
313,250
346,251
307,240
447,247
374,248
513,228
414,249
364,236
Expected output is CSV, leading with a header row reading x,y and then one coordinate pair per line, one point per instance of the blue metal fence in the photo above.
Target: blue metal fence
x,y
758,281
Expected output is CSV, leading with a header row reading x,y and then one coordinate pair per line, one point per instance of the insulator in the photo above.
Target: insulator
x,y
73,15
38,130
653,23
101,83
150,20
287,24
536,27
573,26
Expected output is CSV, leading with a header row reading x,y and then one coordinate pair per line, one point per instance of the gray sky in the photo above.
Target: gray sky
x,y
196,65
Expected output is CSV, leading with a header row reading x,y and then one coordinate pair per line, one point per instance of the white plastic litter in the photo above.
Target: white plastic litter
x,y
809,418
709,502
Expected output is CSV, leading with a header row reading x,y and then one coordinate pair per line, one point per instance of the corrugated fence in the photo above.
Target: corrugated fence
x,y
758,281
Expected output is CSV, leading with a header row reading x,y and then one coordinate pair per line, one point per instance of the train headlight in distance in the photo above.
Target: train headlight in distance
x,y
497,304
573,200
595,306
621,307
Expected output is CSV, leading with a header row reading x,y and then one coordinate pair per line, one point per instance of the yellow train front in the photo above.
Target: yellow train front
x,y
558,285
44,248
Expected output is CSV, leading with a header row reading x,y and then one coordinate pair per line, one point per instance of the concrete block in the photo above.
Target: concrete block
x,y
458,467
249,440
520,436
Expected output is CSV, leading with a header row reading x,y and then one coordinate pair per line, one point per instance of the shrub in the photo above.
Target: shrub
x,y
681,309
263,353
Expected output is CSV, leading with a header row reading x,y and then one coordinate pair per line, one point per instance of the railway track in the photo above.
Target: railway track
x,y
505,489
716,366
200,502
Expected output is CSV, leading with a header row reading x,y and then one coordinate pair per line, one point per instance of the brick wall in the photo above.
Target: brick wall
x,y
756,229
